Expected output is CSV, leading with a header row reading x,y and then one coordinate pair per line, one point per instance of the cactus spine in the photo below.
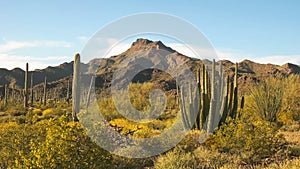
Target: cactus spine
x,y
26,87
76,87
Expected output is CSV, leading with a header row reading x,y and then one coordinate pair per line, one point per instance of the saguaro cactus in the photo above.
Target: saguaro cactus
x,y
31,90
68,92
26,87
45,91
76,87
5,94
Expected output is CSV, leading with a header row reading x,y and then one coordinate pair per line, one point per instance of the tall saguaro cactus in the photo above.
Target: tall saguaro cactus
x,y
76,87
31,89
45,91
26,87
5,94
68,92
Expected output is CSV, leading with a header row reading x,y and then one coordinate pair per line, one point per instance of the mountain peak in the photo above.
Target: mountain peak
x,y
142,43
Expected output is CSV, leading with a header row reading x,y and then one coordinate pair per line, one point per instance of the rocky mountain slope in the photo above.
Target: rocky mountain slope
x,y
150,53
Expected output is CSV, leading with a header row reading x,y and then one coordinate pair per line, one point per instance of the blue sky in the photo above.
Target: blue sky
x,y
50,32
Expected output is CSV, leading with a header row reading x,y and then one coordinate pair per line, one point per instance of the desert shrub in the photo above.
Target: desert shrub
x,y
3,107
200,158
192,140
295,151
15,142
48,112
135,129
252,141
266,98
212,159
37,112
176,158
3,114
287,164
108,109
139,94
134,163
64,145
286,118
290,109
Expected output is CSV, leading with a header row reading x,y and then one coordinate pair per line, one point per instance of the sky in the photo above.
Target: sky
x,y
48,33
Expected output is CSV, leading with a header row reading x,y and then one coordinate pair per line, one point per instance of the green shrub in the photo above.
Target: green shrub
x,y
176,158
37,112
252,141
200,158
267,97
48,112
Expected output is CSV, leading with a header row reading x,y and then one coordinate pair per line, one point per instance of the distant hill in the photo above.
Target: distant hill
x,y
249,72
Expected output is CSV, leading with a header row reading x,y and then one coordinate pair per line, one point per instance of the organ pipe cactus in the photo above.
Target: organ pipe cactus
x,y
218,98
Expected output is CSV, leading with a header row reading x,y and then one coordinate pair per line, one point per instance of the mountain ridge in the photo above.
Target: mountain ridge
x,y
249,71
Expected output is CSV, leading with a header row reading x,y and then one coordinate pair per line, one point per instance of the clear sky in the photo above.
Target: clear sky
x,y
50,32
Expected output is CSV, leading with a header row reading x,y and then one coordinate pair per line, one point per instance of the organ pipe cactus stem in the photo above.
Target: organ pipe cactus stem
x,y
89,92
235,94
211,115
183,109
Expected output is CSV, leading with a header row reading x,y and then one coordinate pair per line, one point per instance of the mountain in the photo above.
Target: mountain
x,y
15,77
144,52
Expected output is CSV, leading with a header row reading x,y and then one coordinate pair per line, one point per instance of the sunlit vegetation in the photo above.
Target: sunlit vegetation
x,y
264,135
